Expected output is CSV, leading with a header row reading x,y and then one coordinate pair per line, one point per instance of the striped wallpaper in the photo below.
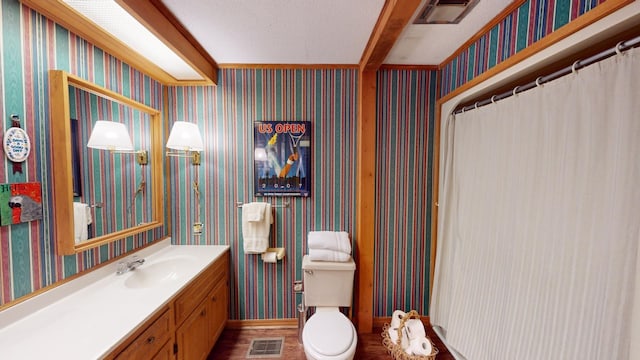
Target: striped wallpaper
x,y
225,115
405,113
532,21
31,45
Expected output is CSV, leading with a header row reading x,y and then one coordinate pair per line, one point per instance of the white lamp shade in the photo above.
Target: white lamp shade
x,y
109,135
185,136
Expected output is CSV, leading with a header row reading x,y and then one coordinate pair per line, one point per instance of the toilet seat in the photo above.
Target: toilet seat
x,y
329,334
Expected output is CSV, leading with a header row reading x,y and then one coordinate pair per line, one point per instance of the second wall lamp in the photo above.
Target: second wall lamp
x,y
114,137
185,141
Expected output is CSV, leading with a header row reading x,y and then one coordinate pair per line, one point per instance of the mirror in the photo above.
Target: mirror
x,y
124,198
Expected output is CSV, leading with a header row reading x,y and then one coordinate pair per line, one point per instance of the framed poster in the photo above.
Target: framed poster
x,y
282,158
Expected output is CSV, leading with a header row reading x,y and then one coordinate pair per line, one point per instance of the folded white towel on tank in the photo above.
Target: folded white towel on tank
x,y
328,255
330,240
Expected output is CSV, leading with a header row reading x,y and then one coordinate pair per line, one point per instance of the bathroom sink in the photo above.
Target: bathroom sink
x,y
158,272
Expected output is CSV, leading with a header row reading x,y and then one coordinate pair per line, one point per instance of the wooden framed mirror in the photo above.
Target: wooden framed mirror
x,y
130,196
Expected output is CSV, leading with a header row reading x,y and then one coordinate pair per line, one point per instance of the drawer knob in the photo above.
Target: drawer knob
x,y
213,298
203,313
151,340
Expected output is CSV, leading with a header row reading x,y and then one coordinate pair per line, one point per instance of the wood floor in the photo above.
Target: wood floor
x,y
234,344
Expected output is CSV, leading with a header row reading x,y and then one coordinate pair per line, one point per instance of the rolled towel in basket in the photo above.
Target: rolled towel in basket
x,y
415,329
393,334
405,342
396,318
420,346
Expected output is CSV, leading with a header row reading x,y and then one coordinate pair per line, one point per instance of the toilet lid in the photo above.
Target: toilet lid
x,y
329,333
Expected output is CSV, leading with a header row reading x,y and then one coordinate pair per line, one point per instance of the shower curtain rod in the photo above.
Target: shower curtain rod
x,y
618,49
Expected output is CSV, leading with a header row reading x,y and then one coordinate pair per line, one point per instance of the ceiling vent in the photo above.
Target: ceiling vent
x,y
444,11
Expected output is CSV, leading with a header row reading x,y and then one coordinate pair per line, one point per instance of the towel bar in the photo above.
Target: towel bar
x,y
284,204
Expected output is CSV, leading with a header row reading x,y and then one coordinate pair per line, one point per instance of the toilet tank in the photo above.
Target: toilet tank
x,y
328,283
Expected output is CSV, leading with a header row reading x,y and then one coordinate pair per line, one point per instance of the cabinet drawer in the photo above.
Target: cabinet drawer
x,y
150,341
189,299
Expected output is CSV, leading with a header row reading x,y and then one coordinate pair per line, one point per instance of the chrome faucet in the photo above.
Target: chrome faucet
x,y
125,266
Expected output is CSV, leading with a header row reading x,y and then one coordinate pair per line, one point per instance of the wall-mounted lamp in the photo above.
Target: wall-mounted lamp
x,y
113,136
185,140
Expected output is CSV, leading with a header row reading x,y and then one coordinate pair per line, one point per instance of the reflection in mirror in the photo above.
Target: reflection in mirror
x,y
116,195
120,197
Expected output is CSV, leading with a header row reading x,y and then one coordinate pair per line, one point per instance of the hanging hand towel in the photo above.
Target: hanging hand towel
x,y
330,240
255,234
328,255
253,211
81,218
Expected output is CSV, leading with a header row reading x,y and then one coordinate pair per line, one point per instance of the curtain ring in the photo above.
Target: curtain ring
x,y
574,67
476,105
493,99
618,45
515,90
538,83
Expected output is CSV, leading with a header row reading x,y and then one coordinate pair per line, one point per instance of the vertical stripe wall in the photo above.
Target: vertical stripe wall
x,y
529,23
31,45
225,114
404,148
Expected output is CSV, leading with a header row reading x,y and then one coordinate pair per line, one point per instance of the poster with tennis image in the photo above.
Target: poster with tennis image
x,y
282,158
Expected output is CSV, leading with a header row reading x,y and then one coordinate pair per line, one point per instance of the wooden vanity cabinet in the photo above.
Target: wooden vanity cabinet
x,y
198,327
196,317
219,307
151,340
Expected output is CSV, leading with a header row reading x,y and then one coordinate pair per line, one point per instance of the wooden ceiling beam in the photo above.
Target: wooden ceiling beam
x,y
156,17
395,15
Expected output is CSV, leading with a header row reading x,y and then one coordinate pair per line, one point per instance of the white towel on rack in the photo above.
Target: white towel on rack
x,y
330,240
328,255
255,234
81,219
253,211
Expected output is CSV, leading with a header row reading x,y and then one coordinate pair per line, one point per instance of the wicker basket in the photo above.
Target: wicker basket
x,y
396,350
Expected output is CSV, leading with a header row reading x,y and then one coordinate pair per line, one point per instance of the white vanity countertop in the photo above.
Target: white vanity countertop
x,y
87,317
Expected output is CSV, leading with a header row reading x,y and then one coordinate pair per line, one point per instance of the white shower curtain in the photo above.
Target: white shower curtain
x,y
539,220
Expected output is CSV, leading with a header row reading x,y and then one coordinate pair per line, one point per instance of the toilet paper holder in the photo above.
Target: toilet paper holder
x,y
278,251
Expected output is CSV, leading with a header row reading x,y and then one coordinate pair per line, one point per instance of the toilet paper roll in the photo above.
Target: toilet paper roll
x,y
420,346
269,257
396,317
415,329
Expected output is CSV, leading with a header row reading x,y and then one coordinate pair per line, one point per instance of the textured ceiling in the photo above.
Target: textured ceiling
x,y
316,31
280,31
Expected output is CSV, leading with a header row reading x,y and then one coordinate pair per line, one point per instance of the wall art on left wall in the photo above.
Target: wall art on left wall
x,y
20,202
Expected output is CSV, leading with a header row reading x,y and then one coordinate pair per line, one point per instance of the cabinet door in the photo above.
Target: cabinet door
x,y
218,305
166,353
192,337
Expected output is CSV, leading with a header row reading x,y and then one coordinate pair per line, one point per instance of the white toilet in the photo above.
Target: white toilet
x,y
328,334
